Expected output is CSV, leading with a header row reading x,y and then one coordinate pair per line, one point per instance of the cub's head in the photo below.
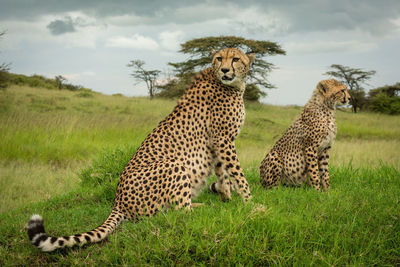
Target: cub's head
x,y
333,92
231,65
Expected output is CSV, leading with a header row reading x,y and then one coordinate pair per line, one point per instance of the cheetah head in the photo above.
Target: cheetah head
x,y
333,92
231,66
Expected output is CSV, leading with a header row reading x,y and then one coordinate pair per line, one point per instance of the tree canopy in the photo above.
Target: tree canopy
x,y
200,56
389,90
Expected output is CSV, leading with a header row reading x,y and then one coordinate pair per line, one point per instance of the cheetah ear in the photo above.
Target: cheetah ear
x,y
213,52
252,57
321,87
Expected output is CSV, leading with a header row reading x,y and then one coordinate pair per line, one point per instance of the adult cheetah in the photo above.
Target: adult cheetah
x,y
172,164
304,148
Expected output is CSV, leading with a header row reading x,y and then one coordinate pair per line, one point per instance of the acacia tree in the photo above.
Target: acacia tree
x,y
200,56
142,75
59,81
353,78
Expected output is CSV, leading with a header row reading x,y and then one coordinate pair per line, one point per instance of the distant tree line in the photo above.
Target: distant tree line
x,y
59,82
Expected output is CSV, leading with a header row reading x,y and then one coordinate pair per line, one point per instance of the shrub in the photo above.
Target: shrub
x,y
253,92
381,102
84,94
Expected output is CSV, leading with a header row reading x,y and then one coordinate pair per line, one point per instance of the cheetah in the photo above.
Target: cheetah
x,y
304,148
171,166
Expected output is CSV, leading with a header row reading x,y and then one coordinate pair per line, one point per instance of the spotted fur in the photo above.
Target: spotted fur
x,y
303,151
172,164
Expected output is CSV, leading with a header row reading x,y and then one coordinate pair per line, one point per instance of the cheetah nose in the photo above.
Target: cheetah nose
x,y
224,70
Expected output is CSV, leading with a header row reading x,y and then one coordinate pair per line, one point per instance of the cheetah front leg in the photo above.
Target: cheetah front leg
x,y
223,185
323,165
312,166
228,161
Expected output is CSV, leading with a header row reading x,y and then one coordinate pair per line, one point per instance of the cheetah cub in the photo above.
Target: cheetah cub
x,y
304,148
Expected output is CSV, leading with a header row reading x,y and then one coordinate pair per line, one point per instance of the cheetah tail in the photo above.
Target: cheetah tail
x,y
39,238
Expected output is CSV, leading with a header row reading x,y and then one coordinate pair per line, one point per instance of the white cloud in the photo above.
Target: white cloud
x,y
171,39
89,73
136,41
254,20
74,77
330,46
124,20
294,84
396,22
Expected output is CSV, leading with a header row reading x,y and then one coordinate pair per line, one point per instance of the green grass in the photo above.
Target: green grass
x,y
61,154
355,223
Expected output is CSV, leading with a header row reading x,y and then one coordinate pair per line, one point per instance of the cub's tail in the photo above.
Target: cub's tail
x,y
39,238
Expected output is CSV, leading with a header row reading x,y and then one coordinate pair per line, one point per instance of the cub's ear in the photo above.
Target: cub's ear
x,y
213,52
252,57
321,87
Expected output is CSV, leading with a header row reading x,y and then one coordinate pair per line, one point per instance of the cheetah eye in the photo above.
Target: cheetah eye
x,y
235,59
219,58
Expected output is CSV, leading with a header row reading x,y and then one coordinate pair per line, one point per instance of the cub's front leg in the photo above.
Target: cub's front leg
x,y
312,166
323,165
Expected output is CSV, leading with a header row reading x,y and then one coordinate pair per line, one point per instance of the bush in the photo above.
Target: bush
x,y
175,87
253,93
381,102
32,81
72,87
4,77
38,81
85,94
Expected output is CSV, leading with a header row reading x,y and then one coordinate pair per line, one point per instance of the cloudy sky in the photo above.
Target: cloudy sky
x,y
90,42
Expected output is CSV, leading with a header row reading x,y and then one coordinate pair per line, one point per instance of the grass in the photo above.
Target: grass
x,y
25,182
355,223
51,136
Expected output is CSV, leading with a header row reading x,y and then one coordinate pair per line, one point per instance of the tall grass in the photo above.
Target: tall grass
x,y
80,129
60,130
23,182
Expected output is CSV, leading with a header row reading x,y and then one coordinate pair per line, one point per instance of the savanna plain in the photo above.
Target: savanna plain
x,y
61,153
